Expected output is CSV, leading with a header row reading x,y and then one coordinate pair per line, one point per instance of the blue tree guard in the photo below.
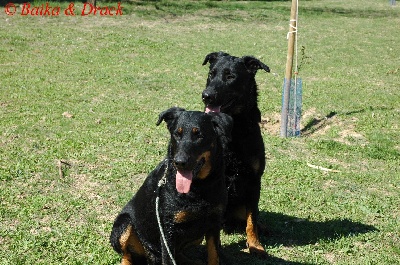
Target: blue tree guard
x,y
294,110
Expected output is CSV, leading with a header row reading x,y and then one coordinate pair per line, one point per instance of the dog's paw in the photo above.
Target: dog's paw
x,y
257,250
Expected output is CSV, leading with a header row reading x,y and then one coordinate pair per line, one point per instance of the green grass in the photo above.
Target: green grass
x,y
115,74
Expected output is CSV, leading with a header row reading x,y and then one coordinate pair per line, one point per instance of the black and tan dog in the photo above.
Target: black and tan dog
x,y
232,89
190,187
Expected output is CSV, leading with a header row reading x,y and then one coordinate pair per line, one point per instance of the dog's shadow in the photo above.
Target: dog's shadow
x,y
290,231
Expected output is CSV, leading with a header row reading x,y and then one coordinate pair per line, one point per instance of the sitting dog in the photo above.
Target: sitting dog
x,y
187,192
231,88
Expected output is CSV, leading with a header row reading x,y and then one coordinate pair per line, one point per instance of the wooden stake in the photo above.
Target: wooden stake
x,y
289,67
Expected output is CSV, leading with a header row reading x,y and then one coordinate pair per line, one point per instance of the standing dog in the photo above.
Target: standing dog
x,y
189,190
232,89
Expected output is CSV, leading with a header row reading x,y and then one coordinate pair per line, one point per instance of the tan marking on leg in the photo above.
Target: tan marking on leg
x,y
205,170
126,259
212,250
130,242
252,235
123,240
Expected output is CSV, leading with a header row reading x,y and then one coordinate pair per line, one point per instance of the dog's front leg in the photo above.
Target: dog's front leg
x,y
253,241
213,246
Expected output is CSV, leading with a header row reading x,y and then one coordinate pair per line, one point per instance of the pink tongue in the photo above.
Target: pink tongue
x,y
212,109
183,181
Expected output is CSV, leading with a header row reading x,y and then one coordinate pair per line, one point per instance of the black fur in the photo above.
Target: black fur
x,y
231,88
197,145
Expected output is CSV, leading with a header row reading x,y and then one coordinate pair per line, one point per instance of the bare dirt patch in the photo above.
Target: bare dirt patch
x,y
315,124
271,123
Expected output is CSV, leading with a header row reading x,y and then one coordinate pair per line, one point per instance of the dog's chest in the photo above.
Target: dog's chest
x,y
200,214
184,216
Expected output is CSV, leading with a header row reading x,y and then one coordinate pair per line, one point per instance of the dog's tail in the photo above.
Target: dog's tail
x,y
120,228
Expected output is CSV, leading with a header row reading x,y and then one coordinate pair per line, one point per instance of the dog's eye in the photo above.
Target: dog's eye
x,y
196,132
178,133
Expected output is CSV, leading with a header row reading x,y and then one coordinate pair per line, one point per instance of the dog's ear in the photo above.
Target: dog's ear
x,y
223,124
212,57
169,116
253,64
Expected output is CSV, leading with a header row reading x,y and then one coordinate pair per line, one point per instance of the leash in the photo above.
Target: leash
x,y
161,183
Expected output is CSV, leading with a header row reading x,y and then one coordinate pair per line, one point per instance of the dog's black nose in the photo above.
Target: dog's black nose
x,y
208,97
180,161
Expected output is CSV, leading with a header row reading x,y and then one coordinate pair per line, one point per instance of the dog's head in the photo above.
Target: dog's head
x,y
231,87
197,142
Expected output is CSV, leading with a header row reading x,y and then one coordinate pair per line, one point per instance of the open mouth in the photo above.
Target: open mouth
x,y
184,177
210,108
